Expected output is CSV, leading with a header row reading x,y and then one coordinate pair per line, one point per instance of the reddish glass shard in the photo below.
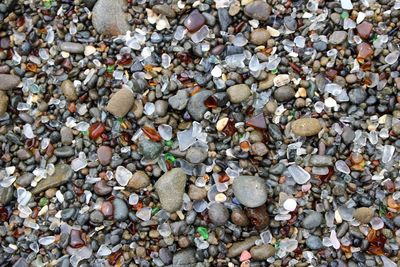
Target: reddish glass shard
x,y
257,121
211,102
151,133
364,51
96,129
230,128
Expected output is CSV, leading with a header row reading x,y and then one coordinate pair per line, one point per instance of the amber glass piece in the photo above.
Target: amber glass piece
x,y
223,177
195,90
151,133
20,21
296,68
364,29
125,60
211,102
325,178
245,146
257,121
75,239
376,242
32,67
96,129
345,249
184,57
230,128
364,51
393,204
71,107
113,258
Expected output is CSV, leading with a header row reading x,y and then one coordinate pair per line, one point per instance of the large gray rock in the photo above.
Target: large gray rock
x,y
184,258
62,174
238,93
170,188
8,81
312,220
108,17
218,213
258,9
250,191
196,107
121,102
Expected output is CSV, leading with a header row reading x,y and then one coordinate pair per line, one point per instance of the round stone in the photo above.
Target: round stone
x,y
250,191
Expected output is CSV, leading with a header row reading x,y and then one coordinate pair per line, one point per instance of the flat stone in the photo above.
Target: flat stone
x,y
3,103
69,90
196,154
258,9
165,10
73,48
237,247
109,19
139,180
259,36
306,127
284,93
363,215
197,193
104,155
357,95
262,252
337,37
24,154
170,188
238,93
62,174
121,102
9,81
312,220
314,242
25,179
250,191
196,107
66,136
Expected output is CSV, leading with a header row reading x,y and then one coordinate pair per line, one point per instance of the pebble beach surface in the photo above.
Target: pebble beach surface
x,y
208,133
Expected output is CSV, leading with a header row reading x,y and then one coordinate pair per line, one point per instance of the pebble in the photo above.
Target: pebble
x,y
3,103
262,252
259,149
109,19
24,154
73,48
196,154
314,242
25,179
102,189
239,218
284,93
238,247
259,36
179,101
161,108
218,213
139,180
321,161
64,152
258,10
62,174
104,155
194,21
6,195
120,210
184,258
312,220
165,10
9,82
238,93
357,95
66,136
250,191
89,50
196,107
363,215
120,102
96,217
170,188
150,150
348,135
306,127
337,37
197,193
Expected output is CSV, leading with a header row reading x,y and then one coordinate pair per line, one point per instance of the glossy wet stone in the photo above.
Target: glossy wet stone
x,y
194,21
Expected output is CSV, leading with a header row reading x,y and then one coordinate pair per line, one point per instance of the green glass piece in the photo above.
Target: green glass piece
x,y
43,202
47,3
154,210
344,15
274,71
168,156
203,232
86,133
110,69
168,143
